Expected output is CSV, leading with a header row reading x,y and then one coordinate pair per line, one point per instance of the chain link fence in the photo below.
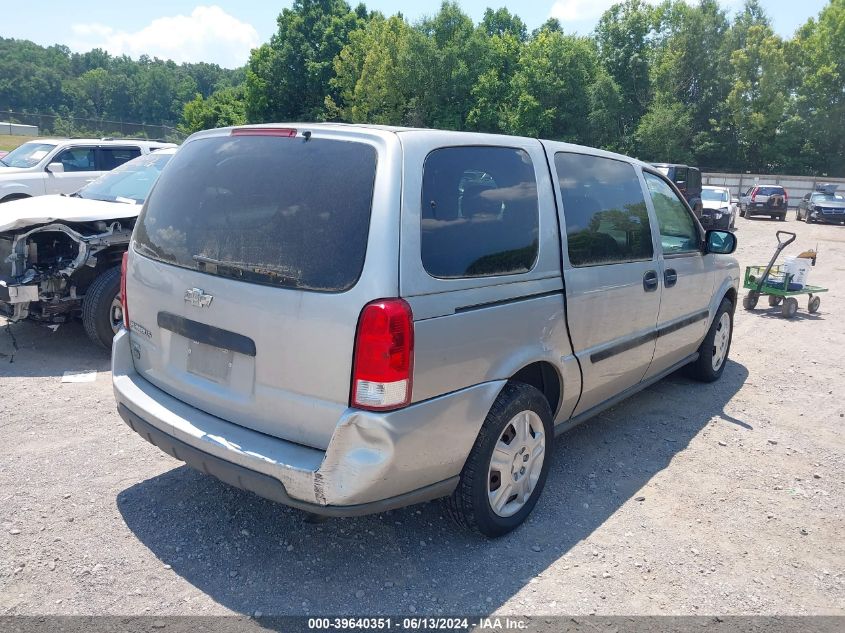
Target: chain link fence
x,y
56,125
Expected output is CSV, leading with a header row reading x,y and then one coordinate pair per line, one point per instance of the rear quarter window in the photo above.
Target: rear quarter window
x,y
480,213
285,212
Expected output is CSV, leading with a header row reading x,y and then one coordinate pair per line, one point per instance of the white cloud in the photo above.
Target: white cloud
x,y
209,34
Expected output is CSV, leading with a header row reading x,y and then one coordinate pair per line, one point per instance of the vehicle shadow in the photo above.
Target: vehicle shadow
x,y
29,349
251,555
801,315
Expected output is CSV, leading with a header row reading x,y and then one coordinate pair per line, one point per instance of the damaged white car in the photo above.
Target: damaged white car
x,y
60,255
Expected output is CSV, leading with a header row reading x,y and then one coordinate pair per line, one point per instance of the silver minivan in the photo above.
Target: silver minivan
x,y
349,318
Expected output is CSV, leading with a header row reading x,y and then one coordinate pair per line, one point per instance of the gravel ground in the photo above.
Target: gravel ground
x,y
686,499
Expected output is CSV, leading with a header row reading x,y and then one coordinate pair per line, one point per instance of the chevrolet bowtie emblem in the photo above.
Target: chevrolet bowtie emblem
x,y
198,298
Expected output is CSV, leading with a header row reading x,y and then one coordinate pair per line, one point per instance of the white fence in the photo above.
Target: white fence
x,y
796,186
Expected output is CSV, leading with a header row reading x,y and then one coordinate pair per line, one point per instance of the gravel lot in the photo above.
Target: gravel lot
x,y
686,499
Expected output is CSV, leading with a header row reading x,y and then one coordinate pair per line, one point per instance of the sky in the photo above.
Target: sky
x,y
224,31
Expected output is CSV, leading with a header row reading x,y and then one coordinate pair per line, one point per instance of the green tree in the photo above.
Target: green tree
x,y
759,99
289,78
664,133
549,94
223,108
373,73
626,35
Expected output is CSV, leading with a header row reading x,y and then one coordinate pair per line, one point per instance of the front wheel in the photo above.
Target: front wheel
x,y
507,467
714,349
102,314
814,303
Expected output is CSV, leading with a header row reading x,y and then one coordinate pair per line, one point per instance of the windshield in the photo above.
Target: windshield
x,y
828,197
262,209
714,195
131,182
27,155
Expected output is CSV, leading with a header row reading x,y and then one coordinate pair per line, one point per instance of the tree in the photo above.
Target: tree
x,y
548,96
289,78
373,73
223,108
817,115
759,99
664,133
626,38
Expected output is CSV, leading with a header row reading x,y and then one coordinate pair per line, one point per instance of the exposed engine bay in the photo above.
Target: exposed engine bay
x,y
46,270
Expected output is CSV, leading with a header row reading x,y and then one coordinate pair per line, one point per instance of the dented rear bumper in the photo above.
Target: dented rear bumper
x,y
374,462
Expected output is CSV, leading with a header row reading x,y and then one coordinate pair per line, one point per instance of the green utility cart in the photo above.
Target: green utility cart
x,y
776,283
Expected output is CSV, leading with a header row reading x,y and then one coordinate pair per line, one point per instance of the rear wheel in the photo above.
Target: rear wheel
x,y
102,313
714,349
507,467
789,308
774,300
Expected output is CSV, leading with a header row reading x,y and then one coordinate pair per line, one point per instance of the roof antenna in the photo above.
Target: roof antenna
x,y
307,135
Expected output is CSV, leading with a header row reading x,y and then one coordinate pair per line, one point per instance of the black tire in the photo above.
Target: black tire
x,y
741,212
749,301
783,217
97,307
789,308
15,196
702,369
813,304
469,505
774,300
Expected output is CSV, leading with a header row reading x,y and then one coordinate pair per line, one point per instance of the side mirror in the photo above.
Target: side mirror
x,y
719,242
56,168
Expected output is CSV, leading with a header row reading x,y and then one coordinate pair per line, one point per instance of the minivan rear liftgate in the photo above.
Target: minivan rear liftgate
x,y
244,292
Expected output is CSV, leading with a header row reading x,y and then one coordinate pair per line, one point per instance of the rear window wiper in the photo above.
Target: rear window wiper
x,y
213,266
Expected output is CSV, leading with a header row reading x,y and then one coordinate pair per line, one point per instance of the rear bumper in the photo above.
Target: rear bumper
x,y
764,210
374,462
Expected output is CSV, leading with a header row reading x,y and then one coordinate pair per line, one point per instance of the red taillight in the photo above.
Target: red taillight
x,y
754,195
785,196
383,361
123,303
286,132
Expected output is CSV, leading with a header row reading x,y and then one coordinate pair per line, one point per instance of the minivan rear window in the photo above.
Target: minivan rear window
x,y
285,212
769,191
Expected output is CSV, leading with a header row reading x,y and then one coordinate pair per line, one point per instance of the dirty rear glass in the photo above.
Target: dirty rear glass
x,y
284,212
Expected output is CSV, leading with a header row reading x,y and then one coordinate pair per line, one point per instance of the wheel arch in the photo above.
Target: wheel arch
x,y
546,378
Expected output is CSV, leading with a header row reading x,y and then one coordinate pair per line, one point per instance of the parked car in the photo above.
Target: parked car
x,y
770,200
822,205
52,166
348,319
688,181
719,210
60,255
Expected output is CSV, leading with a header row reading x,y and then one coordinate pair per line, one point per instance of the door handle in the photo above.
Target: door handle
x,y
650,281
670,277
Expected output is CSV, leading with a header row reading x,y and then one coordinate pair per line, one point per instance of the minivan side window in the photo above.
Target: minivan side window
x,y
678,233
480,213
605,210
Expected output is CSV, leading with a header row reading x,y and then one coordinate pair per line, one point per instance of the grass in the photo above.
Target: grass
x,y
8,143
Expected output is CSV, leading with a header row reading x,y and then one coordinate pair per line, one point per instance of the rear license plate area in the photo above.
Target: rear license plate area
x,y
210,362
